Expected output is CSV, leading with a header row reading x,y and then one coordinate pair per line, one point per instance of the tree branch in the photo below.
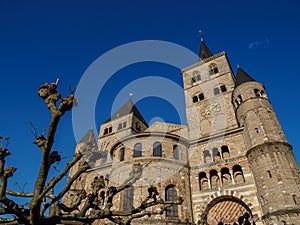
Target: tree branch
x,y
55,180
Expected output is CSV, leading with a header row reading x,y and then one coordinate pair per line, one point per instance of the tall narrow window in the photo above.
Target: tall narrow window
x,y
206,156
105,131
157,149
225,152
203,181
122,154
171,195
269,173
109,129
137,150
175,152
128,198
238,174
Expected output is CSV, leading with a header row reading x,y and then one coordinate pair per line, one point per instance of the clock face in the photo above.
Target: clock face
x,y
210,109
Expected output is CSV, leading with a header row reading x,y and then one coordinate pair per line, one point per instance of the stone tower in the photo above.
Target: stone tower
x,y
231,163
270,156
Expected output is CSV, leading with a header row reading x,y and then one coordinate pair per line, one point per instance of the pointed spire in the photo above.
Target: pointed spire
x,y
88,137
127,108
204,52
242,77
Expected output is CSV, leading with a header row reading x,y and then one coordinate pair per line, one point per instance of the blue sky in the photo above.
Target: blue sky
x,y
43,40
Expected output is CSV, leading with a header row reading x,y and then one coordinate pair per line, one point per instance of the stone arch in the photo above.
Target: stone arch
x,y
236,207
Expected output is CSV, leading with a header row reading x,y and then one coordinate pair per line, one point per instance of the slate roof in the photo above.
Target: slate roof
x,y
127,108
242,77
204,52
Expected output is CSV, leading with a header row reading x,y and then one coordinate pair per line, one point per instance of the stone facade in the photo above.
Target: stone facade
x,y
232,158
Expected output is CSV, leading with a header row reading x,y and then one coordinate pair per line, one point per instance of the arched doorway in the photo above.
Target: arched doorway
x,y
226,209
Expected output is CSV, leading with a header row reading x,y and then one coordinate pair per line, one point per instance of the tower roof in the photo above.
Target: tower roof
x,y
242,77
88,137
126,109
204,52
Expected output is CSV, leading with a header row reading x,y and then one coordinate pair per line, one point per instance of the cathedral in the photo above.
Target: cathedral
x,y
231,161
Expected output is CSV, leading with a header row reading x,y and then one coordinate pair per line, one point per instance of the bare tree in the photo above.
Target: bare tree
x,y
45,207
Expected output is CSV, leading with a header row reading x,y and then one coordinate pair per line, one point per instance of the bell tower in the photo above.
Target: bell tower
x,y
208,86
270,157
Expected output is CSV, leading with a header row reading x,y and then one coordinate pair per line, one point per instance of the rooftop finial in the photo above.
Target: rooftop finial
x,y
200,34
237,65
130,94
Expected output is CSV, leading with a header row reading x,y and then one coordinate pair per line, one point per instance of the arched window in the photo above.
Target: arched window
x,y
216,154
128,195
171,195
137,150
105,131
206,156
203,181
214,179
157,149
196,76
109,130
122,154
175,152
213,69
226,177
238,174
225,152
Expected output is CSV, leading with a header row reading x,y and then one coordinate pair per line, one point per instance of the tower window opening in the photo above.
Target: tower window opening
x,y
138,126
225,152
216,91
257,93
119,126
201,96
269,173
196,76
213,69
226,177
206,156
238,174
216,154
105,131
109,130
203,181
223,88
195,99
214,179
